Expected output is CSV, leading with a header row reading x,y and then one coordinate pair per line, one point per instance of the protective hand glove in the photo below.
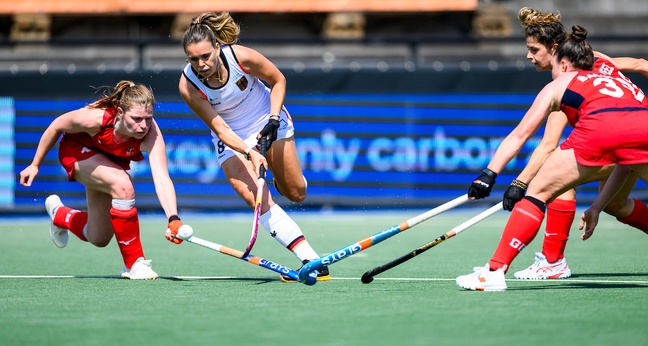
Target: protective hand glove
x,y
172,230
514,194
270,132
482,186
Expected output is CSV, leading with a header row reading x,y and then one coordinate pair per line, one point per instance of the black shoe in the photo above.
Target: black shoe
x,y
322,274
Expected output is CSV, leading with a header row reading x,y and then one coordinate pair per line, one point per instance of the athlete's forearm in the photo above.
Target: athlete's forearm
x,y
612,186
47,141
537,159
164,189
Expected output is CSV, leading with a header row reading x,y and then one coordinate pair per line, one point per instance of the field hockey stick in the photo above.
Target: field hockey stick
x,y
368,242
368,276
261,262
259,199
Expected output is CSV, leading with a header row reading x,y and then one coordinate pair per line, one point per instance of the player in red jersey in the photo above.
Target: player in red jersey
x,y
598,105
543,32
99,142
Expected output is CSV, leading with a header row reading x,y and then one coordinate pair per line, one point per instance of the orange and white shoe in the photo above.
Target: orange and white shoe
x,y
59,235
483,279
542,270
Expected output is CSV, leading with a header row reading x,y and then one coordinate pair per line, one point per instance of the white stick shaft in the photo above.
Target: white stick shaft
x,y
479,217
438,210
205,243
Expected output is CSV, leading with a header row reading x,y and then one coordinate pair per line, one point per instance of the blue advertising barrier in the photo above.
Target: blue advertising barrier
x,y
357,151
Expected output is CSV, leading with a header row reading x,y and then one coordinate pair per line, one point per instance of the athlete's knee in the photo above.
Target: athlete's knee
x,y
294,193
100,243
248,195
98,240
123,189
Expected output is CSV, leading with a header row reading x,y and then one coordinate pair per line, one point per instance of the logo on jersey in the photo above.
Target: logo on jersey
x,y
242,83
130,151
85,150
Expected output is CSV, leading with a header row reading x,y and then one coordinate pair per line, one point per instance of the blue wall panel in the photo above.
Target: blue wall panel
x,y
357,151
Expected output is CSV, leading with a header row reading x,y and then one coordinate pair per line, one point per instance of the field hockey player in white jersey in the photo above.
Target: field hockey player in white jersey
x,y
223,83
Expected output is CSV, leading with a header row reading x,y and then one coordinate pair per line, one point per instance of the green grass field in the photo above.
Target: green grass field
x,y
74,296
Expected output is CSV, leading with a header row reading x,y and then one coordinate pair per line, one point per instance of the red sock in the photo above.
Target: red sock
x,y
521,228
639,216
72,220
560,216
126,226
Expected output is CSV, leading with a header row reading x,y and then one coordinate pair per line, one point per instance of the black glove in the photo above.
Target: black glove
x,y
514,194
482,186
270,132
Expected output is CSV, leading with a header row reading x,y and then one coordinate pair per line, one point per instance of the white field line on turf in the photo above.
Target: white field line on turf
x,y
333,278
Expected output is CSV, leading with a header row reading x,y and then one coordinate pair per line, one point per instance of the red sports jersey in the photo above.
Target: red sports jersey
x,y
76,147
609,115
604,83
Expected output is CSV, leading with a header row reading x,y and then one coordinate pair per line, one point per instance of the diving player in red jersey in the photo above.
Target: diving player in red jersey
x,y
99,142
598,105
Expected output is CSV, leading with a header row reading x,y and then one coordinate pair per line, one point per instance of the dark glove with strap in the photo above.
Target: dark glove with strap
x,y
172,230
514,194
270,130
482,186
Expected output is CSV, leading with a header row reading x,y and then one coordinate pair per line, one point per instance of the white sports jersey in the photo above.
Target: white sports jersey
x,y
243,101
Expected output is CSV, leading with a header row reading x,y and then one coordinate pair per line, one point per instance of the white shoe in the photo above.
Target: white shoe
x,y
59,235
141,270
541,269
483,279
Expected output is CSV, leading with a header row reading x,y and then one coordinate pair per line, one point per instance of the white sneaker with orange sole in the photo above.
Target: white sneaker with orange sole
x,y
483,279
542,270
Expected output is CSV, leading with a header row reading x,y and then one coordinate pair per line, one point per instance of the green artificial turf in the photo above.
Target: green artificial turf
x,y
74,296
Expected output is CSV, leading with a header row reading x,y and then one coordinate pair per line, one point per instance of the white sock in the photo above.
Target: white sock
x,y
123,204
287,233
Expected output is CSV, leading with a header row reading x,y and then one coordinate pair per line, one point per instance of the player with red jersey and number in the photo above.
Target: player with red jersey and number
x,y
609,128
544,32
99,142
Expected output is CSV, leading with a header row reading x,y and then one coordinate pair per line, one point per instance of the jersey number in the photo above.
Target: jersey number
x,y
612,89
221,147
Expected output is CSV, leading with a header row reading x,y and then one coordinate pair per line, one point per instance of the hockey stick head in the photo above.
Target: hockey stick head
x,y
309,271
311,279
366,278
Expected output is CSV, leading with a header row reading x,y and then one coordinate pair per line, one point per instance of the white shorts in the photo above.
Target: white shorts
x,y
249,136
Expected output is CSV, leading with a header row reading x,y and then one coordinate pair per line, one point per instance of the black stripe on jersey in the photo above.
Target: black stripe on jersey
x,y
233,55
189,79
620,109
572,99
224,59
